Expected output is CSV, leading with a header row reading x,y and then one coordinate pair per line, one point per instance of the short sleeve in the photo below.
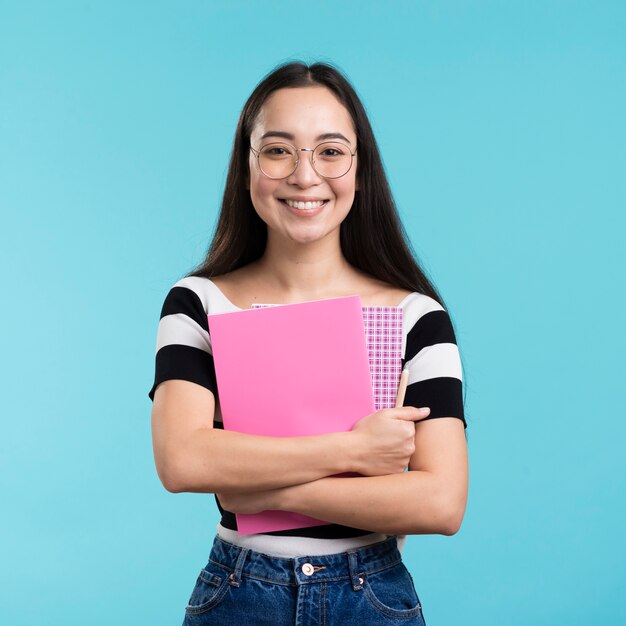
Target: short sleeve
x,y
432,358
183,348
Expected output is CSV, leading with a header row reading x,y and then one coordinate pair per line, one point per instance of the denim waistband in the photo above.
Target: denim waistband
x,y
305,570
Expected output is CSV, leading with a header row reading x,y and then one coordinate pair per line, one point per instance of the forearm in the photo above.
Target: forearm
x,y
414,502
192,456
213,460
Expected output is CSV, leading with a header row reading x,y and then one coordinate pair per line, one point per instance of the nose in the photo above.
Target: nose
x,y
305,175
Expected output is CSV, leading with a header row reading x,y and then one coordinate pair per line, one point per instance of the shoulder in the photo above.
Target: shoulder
x,y
423,317
238,287
417,305
376,292
195,295
183,319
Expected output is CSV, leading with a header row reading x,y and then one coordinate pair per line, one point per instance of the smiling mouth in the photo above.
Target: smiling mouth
x,y
304,206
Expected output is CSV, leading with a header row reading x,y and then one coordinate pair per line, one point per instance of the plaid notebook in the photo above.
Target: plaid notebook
x,y
383,334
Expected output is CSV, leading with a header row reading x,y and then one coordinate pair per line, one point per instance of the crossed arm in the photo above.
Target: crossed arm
x,y
252,474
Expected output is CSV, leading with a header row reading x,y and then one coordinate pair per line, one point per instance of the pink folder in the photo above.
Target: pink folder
x,y
291,370
383,335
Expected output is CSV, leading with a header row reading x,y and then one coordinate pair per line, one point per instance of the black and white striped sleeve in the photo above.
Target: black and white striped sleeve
x,y
183,348
432,357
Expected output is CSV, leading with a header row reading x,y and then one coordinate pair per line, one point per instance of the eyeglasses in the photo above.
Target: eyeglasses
x,y
329,159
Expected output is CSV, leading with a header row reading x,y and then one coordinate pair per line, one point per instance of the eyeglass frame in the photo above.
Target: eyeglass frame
x,y
257,154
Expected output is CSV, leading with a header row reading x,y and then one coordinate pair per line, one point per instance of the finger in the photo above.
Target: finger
x,y
412,413
404,381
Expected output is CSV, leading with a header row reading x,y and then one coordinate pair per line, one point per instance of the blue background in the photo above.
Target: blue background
x,y
502,128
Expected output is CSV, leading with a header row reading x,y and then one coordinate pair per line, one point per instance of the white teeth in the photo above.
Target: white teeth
x,y
306,206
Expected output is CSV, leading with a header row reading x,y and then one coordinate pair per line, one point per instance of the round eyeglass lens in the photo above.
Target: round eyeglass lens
x,y
330,159
277,160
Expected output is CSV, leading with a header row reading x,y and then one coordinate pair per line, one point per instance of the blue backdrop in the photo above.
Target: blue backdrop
x,y
502,129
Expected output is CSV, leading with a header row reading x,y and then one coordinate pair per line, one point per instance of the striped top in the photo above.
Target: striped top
x,y
430,352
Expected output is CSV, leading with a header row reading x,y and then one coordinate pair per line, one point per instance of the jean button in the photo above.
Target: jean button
x,y
307,569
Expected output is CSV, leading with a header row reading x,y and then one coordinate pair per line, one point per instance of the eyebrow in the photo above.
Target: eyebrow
x,y
282,134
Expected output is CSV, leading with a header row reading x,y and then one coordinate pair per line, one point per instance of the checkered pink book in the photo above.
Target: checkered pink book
x,y
383,335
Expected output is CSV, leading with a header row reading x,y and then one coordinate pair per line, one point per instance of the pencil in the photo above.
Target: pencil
x,y
404,379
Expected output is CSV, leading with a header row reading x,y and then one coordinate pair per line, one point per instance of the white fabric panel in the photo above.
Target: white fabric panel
x,y
180,329
211,296
442,359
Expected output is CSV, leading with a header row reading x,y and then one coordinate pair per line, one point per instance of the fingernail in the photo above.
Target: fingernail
x,y
424,410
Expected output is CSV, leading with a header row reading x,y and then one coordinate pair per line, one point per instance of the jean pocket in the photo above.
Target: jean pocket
x,y
210,589
392,593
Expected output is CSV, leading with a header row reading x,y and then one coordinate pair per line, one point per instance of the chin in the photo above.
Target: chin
x,y
306,238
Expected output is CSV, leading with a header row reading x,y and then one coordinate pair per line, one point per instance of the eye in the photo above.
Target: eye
x,y
276,151
332,151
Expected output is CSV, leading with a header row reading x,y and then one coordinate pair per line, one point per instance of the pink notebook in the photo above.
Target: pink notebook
x,y
291,370
383,336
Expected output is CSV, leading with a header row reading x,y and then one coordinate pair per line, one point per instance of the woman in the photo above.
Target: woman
x,y
307,214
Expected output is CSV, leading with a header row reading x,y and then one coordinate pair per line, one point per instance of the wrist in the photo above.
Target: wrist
x,y
351,452
304,498
287,498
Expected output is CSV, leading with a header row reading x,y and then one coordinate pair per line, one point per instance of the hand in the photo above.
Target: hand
x,y
387,439
253,502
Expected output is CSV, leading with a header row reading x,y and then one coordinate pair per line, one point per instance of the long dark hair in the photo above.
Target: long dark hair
x,y
372,236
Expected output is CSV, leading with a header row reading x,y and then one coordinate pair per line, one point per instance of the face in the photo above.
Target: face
x,y
302,116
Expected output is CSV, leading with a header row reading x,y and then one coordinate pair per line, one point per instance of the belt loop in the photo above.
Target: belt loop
x,y
353,564
235,577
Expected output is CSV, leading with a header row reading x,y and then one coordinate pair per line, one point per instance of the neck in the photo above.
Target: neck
x,y
304,271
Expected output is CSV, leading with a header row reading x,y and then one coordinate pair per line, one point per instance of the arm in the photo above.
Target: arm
x,y
432,496
429,498
192,456
189,454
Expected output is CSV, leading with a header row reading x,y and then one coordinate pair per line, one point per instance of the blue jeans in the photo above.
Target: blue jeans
x,y
241,587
